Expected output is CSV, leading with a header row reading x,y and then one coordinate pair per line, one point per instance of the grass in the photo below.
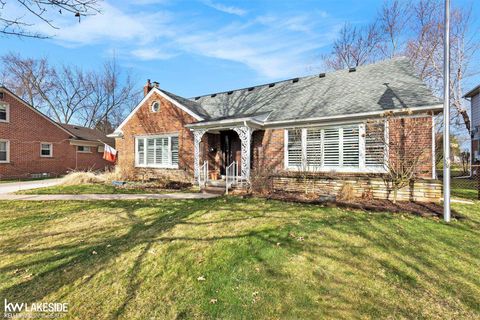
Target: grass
x,y
260,260
464,188
97,188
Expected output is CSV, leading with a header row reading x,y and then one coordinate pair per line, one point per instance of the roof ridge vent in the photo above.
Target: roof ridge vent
x,y
352,69
251,88
271,85
213,95
229,92
321,75
295,80
196,98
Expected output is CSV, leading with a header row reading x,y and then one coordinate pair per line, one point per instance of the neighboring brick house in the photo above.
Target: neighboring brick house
x,y
474,96
33,145
319,124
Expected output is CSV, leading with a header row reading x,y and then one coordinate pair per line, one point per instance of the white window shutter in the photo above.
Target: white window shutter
x,y
331,152
294,147
350,146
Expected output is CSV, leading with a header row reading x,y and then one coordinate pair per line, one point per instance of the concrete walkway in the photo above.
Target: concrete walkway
x,y
94,197
10,187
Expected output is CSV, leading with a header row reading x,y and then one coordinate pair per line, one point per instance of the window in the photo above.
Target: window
x,y
155,106
4,112
294,138
84,149
156,151
46,149
4,151
343,148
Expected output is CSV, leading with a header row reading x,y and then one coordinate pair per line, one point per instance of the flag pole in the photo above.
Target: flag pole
x,y
446,115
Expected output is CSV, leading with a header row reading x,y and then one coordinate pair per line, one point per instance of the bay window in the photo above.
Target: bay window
x,y
349,148
156,151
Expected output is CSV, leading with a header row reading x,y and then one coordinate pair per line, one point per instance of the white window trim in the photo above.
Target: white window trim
x,y
158,166
89,148
153,103
8,151
362,168
51,150
7,110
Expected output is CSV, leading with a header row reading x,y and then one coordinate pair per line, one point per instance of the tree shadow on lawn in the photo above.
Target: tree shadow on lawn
x,y
76,262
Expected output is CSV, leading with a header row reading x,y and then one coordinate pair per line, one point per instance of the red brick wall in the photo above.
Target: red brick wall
x,y
268,149
170,119
25,130
411,138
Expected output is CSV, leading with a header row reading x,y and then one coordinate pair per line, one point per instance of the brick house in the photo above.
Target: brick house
x,y
316,124
33,145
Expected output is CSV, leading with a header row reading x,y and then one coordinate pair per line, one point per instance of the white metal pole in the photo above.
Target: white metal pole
x,y
446,115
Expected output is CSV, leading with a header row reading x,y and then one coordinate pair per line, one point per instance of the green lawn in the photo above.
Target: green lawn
x,y
94,189
259,259
464,188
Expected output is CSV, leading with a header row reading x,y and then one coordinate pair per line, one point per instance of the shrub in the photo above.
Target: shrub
x,y
347,193
81,177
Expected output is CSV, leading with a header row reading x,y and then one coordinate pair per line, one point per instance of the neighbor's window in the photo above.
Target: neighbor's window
x,y
156,151
336,148
4,151
84,149
46,149
155,106
4,113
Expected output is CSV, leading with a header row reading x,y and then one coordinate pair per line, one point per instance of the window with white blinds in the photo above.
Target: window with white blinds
x,y
335,148
294,158
156,151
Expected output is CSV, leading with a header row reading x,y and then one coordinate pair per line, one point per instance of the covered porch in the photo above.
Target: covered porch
x,y
222,150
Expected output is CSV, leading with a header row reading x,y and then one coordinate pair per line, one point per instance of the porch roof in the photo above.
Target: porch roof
x,y
255,120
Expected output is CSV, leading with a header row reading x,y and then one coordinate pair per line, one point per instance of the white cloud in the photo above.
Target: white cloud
x,y
111,25
150,53
274,46
224,8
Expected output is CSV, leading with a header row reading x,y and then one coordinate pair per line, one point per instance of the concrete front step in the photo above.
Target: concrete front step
x,y
214,189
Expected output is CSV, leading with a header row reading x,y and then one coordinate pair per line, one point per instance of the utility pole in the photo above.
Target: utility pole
x,y
446,115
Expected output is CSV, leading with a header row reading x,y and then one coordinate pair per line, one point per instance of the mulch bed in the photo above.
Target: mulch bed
x,y
417,208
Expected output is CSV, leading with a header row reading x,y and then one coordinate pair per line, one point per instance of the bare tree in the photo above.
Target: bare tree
x,y
354,47
415,29
425,51
26,11
393,18
96,99
112,92
404,157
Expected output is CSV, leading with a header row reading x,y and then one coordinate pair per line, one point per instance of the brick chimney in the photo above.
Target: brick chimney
x,y
147,87
156,84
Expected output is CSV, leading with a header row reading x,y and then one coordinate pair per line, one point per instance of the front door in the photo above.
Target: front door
x,y
231,149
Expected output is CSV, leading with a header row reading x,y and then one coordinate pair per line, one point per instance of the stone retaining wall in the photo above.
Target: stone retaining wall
x,y
363,186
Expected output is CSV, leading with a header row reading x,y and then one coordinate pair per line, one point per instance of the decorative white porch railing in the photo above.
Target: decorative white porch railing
x,y
203,174
231,175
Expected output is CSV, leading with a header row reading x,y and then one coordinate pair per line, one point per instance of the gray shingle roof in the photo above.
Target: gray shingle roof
x,y
191,105
88,134
387,85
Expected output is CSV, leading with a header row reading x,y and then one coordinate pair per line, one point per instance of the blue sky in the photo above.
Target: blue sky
x,y
198,47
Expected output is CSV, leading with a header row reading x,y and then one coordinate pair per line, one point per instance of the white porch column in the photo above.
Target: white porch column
x,y
197,138
245,134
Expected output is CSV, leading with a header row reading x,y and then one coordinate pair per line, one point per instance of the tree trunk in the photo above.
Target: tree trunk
x,y
395,193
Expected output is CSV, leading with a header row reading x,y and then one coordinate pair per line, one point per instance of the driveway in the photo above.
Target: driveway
x,y
10,187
